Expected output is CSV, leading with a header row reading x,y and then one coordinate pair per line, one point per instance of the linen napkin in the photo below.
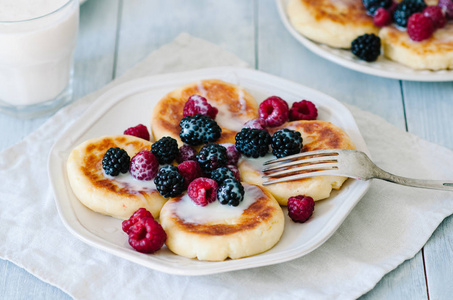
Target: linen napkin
x,y
389,225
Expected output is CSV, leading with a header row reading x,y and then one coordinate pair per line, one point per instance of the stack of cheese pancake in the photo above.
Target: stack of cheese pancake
x,y
337,23
215,231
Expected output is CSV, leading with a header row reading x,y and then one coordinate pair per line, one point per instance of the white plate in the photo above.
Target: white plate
x,y
383,67
132,103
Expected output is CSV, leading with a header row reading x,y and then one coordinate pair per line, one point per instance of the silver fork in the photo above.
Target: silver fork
x,y
338,162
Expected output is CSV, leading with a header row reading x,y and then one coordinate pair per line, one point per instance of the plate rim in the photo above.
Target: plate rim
x,y
114,95
418,75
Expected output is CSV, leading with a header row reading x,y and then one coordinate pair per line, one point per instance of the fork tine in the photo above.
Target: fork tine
x,y
303,154
276,165
308,168
301,176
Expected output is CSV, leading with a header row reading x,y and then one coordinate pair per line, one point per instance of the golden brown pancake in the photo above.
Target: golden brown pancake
x,y
118,196
216,232
435,53
316,135
236,106
335,23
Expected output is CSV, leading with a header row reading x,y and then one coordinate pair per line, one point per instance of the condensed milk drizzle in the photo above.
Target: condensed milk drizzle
x,y
215,212
131,184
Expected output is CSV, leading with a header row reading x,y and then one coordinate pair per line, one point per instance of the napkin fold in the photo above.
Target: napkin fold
x,y
389,225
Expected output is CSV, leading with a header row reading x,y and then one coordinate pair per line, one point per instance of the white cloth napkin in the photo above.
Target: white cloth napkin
x,y
389,225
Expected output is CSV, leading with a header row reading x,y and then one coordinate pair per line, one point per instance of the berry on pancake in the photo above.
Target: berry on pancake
x,y
274,110
303,110
198,130
165,150
286,142
198,105
211,157
420,27
115,160
253,142
169,182
230,192
139,131
202,191
144,165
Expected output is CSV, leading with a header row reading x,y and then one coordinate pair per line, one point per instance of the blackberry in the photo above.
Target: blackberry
x,y
407,8
230,192
165,150
286,142
169,182
253,142
221,174
115,160
366,47
372,5
211,157
199,129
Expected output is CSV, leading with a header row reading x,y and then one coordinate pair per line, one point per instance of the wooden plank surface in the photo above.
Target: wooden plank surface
x,y
94,61
429,108
115,35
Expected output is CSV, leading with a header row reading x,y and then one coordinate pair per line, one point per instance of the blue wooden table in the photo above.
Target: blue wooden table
x,y
116,34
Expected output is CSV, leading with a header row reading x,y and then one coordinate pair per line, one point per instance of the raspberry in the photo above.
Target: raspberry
x,y
373,5
235,170
303,110
144,165
420,27
211,157
198,130
230,192
139,131
203,191
382,17
186,153
253,142
274,110
197,104
115,160
147,236
436,15
256,123
169,182
407,8
140,213
286,142
300,208
165,150
233,154
221,174
367,47
447,7
190,170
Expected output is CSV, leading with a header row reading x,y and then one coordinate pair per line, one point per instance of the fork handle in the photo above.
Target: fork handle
x,y
420,183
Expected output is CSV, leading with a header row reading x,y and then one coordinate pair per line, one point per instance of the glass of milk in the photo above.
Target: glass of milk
x,y
37,41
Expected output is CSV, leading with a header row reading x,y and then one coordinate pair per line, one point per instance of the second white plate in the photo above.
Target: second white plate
x,y
132,103
383,67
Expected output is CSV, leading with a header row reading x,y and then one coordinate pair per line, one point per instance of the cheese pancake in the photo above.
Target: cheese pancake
x,y
316,135
216,232
236,106
335,23
435,53
117,196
